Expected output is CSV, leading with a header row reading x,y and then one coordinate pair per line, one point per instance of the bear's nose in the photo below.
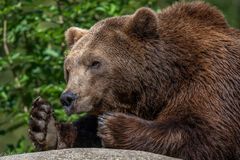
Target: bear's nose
x,y
67,98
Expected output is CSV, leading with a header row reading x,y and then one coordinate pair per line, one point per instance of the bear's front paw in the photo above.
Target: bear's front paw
x,y
42,127
104,130
114,129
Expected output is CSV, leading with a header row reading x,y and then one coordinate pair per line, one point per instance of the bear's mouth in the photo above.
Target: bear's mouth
x,y
85,104
68,109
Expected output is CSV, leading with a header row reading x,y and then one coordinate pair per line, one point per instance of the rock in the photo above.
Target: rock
x,y
87,154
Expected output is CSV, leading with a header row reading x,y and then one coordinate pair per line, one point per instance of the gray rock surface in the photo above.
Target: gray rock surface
x,y
87,154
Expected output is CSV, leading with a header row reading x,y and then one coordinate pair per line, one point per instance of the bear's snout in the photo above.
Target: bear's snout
x,y
67,98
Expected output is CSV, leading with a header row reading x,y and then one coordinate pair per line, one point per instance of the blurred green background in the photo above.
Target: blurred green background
x,y
32,51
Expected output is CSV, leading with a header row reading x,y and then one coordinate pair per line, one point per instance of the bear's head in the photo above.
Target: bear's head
x,y
106,65
139,63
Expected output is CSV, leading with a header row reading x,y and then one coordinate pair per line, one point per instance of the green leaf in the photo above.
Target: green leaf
x,y
51,52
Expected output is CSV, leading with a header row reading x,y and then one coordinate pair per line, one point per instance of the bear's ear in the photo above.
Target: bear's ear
x,y
144,23
73,34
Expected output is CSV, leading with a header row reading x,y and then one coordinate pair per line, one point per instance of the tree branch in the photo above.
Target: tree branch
x,y
6,49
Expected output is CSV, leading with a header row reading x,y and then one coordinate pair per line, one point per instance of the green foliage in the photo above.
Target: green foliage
x,y
33,64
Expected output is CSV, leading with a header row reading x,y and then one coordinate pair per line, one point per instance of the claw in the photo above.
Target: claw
x,y
36,100
108,114
101,121
41,115
36,125
103,118
38,136
39,102
46,108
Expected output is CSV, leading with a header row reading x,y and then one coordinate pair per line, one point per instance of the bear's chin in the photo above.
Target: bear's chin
x,y
82,105
77,109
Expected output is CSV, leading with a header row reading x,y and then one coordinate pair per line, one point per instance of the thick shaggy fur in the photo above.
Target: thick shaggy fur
x,y
169,82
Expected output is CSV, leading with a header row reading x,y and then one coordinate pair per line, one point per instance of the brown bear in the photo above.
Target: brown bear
x,y
167,83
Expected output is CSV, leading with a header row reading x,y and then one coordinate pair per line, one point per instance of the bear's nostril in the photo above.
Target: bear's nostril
x,y
67,98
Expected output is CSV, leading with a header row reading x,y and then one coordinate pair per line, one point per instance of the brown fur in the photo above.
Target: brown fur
x,y
170,82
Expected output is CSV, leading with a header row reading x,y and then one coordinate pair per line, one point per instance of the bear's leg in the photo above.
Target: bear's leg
x,y
176,138
48,134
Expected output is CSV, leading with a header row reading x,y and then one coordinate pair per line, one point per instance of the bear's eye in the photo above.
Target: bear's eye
x,y
95,65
